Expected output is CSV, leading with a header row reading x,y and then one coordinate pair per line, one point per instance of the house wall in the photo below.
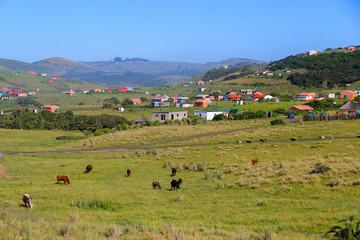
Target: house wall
x,y
207,115
348,95
163,116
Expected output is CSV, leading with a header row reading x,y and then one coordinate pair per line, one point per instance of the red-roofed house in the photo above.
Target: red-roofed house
x,y
31,73
51,108
109,90
348,94
20,94
70,93
305,97
97,90
203,103
50,80
200,83
234,97
122,89
136,101
300,108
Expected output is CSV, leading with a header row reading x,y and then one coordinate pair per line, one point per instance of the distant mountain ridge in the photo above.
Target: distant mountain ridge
x,y
117,73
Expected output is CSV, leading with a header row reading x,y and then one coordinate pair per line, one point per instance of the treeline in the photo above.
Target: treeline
x,y
45,120
119,59
324,70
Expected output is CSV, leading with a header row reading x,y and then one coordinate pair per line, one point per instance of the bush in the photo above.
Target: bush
x,y
98,133
277,122
319,168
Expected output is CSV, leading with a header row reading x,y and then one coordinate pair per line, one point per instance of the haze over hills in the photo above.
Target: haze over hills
x,y
135,72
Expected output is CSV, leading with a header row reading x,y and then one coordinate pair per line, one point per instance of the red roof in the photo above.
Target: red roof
x,y
258,95
349,91
122,89
202,100
302,107
49,106
306,94
234,96
109,90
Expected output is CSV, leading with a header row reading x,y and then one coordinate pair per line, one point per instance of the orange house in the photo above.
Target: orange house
x,y
70,93
31,73
51,108
97,90
351,49
348,95
136,101
203,103
200,83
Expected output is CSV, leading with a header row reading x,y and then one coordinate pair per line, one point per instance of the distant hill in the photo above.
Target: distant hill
x,y
134,71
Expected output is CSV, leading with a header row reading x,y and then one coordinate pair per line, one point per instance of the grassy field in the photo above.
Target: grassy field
x,y
222,196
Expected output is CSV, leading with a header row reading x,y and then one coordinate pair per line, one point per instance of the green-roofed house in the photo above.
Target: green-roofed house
x,y
246,91
4,96
226,111
170,115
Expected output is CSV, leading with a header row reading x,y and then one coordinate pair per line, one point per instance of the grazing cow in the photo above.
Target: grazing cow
x,y
63,178
322,137
248,141
240,142
255,161
156,185
173,172
128,172
292,139
27,200
176,184
358,136
332,137
263,140
88,168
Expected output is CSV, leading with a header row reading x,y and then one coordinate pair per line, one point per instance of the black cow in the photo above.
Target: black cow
x,y
88,168
173,172
176,184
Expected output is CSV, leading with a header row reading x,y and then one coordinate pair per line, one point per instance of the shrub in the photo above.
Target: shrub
x,y
350,231
65,230
97,203
320,168
277,122
98,133
113,232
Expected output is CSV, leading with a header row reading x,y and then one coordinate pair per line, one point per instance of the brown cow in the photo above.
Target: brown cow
x,y
248,141
255,161
156,185
27,200
63,178
263,140
128,172
88,168
292,139
173,172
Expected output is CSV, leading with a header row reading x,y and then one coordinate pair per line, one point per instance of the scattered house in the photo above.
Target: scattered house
x,y
190,83
185,84
97,90
202,96
348,84
173,99
31,73
300,108
122,89
226,111
70,93
259,95
141,119
180,99
109,90
268,73
350,107
312,52
160,101
246,91
200,89
329,95
37,89
256,90
7,89
234,97
202,83
186,103
51,108
351,49
86,91
50,80
231,92
20,94
43,74
5,96
216,98
207,114
258,73
54,78
348,94
305,97
162,96
278,74
319,96
31,93
287,70
136,101
203,103
171,115
130,90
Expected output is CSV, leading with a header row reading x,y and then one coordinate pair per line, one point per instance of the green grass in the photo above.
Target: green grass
x,y
230,199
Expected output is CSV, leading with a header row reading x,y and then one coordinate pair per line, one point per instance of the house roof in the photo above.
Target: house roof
x,y
142,118
232,90
350,91
350,106
227,110
49,106
202,100
258,95
306,94
319,95
302,107
234,96
256,90
4,95
186,102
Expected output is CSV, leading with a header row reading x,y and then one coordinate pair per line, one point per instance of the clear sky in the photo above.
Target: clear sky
x,y
171,30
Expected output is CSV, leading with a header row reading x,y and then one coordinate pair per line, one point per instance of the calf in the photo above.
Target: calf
x,y
255,161
292,139
128,172
176,184
322,137
63,178
88,168
27,200
156,185
248,141
263,140
173,172
240,142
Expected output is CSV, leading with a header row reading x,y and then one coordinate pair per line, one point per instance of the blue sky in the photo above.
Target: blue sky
x,y
169,30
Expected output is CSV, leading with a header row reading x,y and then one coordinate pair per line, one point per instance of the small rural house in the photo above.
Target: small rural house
x,y
312,52
256,90
162,96
171,115
268,73
200,89
131,90
207,114
258,73
70,93
4,96
31,73
203,103
136,101
226,111
348,94
200,83
349,108
234,97
20,94
122,89
51,108
246,91
202,96
141,119
287,70
216,98
7,89
305,97
300,108
351,49
50,80
231,92
97,90
109,90
329,95
186,103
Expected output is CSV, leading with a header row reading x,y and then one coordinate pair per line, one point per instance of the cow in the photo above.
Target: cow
x,y
358,136
88,168
176,184
173,172
239,142
156,185
292,139
128,172
63,178
27,200
255,161
322,137
248,141
263,140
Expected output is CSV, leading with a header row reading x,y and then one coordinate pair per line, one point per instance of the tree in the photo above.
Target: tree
x,y
127,103
113,100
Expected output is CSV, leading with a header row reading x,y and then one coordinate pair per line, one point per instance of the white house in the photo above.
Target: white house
x,y
312,52
208,115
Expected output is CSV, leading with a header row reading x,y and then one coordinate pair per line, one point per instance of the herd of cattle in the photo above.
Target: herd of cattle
x,y
291,139
175,184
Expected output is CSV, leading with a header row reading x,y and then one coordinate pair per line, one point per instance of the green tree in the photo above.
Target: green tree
x,y
127,103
